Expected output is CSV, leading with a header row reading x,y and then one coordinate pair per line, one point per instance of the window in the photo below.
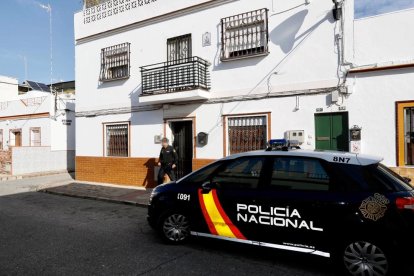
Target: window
x,y
179,48
115,62
247,134
203,175
240,173
117,140
296,173
245,35
35,140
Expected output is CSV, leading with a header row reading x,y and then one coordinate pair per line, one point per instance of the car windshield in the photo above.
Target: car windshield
x,y
202,175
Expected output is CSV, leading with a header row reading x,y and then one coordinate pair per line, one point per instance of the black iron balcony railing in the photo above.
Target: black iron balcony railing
x,y
175,76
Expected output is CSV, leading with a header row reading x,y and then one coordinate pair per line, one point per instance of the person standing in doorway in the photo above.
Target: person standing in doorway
x,y
167,161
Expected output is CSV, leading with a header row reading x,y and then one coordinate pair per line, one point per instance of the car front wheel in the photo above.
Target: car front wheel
x,y
364,258
175,228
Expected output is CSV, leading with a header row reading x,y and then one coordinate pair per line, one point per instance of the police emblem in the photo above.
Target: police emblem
x,y
374,207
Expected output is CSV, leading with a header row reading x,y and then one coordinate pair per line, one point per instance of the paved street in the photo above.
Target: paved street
x,y
55,235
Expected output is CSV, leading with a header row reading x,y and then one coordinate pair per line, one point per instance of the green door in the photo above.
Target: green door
x,y
332,131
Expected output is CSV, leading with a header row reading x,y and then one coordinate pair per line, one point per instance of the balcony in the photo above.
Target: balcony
x,y
180,80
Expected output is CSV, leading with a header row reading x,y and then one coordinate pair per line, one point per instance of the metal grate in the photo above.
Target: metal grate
x,y
247,133
179,48
117,140
115,62
184,74
244,35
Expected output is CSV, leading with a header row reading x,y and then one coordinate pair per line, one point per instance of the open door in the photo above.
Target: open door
x,y
182,132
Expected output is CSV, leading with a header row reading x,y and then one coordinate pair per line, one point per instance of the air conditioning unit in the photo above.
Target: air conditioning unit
x,y
297,135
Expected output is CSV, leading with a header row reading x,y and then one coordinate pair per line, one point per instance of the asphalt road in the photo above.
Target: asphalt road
x,y
54,235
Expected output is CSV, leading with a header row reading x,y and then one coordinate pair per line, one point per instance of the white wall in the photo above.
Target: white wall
x,y
8,88
302,52
41,159
384,38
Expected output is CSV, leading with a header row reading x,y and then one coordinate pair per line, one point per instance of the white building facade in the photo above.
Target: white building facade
x,y
217,78
35,137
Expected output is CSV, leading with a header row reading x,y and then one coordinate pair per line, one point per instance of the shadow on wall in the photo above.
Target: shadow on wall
x,y
285,33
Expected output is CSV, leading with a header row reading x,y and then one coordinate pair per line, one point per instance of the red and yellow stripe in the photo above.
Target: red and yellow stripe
x,y
217,220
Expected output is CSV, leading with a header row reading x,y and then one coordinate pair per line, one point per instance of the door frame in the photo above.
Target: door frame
x,y
399,130
331,113
21,137
168,130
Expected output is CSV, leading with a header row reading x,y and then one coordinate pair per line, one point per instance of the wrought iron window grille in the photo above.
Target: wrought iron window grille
x,y
115,62
245,35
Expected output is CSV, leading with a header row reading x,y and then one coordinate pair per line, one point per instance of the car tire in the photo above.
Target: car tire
x,y
365,258
174,228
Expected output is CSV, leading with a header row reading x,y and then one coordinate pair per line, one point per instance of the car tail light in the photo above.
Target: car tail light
x,y
405,203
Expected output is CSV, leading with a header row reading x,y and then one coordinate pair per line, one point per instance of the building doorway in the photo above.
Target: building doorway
x,y
331,131
182,133
16,138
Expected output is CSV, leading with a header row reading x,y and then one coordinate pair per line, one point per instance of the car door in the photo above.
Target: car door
x,y
292,205
234,187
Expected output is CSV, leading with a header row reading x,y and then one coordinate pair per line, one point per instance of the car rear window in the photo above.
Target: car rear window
x,y
379,176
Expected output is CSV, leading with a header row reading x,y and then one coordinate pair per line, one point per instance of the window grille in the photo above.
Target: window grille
x,y
247,133
117,140
115,62
179,48
245,35
35,140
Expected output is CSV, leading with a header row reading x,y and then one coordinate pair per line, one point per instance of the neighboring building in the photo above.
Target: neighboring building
x,y
217,78
37,129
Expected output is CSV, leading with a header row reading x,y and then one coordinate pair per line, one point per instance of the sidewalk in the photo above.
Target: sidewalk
x,y
110,193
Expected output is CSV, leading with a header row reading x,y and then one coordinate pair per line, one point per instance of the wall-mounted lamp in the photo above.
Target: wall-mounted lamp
x,y
337,11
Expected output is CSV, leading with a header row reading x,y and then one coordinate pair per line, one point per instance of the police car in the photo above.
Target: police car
x,y
330,204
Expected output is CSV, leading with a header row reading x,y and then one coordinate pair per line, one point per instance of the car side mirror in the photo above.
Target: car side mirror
x,y
207,187
407,179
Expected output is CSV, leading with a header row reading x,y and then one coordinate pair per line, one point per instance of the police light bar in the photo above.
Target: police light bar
x,y
282,144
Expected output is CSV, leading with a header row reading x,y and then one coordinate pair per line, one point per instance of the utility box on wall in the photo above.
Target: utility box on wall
x,y
298,135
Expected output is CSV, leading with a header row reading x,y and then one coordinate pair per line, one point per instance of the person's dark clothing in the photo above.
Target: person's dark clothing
x,y
168,158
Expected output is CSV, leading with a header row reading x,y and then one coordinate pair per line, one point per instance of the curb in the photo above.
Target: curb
x,y
124,202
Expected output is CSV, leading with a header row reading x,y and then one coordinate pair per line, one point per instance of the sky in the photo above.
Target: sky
x,y
365,8
25,33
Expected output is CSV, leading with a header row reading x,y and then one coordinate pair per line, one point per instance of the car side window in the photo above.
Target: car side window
x,y
242,173
297,173
202,175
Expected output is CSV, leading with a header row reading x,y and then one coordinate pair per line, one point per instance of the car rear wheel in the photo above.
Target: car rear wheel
x,y
175,228
364,258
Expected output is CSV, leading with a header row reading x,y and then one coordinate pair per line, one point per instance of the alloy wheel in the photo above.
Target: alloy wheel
x,y
176,228
365,259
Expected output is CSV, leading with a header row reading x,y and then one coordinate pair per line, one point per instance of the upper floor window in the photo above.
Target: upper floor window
x,y
179,48
245,35
115,62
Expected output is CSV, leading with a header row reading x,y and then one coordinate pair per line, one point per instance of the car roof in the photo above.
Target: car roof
x,y
329,156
